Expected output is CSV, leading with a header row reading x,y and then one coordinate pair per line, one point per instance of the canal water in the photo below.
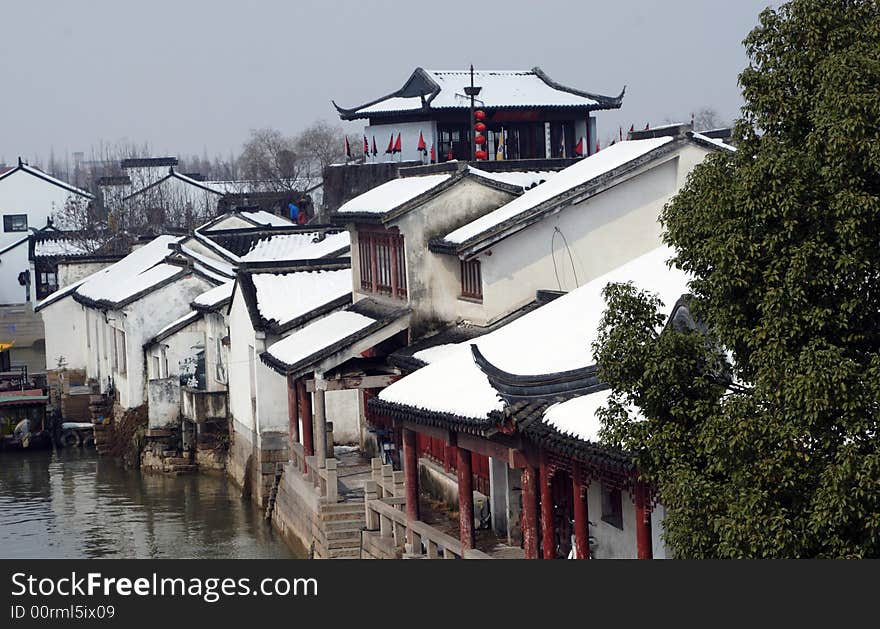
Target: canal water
x,y
73,504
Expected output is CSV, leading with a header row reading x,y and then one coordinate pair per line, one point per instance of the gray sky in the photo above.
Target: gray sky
x,y
185,76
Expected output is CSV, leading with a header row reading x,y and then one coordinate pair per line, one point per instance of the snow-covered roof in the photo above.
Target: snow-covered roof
x,y
524,179
211,266
717,142
553,338
56,247
318,335
561,182
262,217
392,194
577,417
36,172
445,89
175,326
59,294
139,271
284,297
297,246
214,297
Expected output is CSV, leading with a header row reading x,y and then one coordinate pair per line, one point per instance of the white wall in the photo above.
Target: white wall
x,y
12,263
140,321
241,362
66,334
24,193
602,233
343,410
70,272
432,280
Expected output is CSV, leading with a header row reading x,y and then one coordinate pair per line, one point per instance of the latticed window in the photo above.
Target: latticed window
x,y
471,279
382,262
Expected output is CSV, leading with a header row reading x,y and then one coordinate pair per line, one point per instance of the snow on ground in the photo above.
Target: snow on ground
x,y
317,335
579,173
301,246
282,297
392,194
555,337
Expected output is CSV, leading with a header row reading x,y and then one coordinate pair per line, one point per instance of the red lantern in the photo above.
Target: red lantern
x,y
481,155
480,127
479,115
480,139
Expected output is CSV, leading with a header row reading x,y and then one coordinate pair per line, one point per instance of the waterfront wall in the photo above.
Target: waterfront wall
x,y
327,530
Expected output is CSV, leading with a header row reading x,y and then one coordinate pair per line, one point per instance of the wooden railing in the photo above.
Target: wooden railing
x,y
385,504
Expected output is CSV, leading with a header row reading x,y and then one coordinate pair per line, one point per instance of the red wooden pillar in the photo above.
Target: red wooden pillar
x,y
305,412
292,412
529,517
465,498
581,513
411,474
548,531
643,523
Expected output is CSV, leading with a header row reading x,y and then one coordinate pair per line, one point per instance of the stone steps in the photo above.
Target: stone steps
x,y
342,534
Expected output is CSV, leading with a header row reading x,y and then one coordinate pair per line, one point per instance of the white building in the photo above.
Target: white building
x,y
29,200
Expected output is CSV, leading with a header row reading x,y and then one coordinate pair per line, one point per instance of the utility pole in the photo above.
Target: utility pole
x,y
472,92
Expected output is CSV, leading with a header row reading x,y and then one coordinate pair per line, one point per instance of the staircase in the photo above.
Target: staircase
x,y
342,523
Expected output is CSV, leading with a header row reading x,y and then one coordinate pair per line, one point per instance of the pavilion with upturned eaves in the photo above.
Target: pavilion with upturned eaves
x,y
528,115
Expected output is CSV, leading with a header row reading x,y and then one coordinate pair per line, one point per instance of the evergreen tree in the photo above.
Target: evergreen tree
x,y
762,427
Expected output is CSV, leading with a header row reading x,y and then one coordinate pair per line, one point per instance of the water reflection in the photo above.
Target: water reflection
x,y
72,504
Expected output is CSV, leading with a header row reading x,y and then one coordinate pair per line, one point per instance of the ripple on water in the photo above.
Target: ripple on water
x,y
72,504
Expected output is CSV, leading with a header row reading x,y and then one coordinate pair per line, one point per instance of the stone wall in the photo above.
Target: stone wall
x,y
343,182
326,531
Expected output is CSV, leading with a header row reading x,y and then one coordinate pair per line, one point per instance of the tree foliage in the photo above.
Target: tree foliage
x,y
762,433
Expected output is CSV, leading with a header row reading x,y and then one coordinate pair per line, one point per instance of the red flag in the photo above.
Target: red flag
x,y
397,145
390,148
347,148
579,148
632,128
433,155
366,147
422,146
375,150
597,147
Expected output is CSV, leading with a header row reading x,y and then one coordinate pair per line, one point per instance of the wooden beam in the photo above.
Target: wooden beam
x,y
353,382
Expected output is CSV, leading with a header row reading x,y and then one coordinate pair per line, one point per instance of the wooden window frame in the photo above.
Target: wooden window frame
x,y
382,261
471,275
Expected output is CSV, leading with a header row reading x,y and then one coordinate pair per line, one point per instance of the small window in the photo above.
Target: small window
x,y
612,507
471,280
15,223
156,372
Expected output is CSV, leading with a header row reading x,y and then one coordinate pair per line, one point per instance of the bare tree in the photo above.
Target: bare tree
x,y
269,159
322,143
708,118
